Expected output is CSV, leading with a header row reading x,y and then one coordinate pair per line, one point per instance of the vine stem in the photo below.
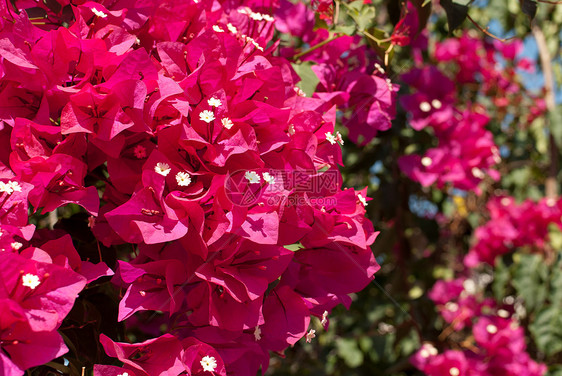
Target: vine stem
x,y
316,46
485,31
551,185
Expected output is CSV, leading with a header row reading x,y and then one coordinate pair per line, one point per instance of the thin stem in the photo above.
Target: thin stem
x,y
316,46
485,31
377,40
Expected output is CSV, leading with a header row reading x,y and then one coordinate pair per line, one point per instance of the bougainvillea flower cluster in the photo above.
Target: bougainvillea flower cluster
x,y
513,225
494,343
179,133
466,152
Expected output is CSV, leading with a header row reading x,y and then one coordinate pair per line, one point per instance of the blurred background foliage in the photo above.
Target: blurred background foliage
x,y
390,319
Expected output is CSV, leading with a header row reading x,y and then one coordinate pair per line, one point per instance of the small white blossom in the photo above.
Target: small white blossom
x,y
256,16
478,173
183,179
6,188
425,107
469,286
140,152
330,138
310,335
99,13
231,28
426,161
207,116
244,10
362,199
16,246
379,68
124,374
214,102
268,178
454,371
268,18
209,363
299,92
436,103
227,123
291,130
218,29
257,333
339,138
492,329
452,307
162,168
324,318
252,177
30,280
503,313
15,186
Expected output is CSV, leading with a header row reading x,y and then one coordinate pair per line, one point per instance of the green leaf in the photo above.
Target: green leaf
x,y
502,276
309,79
555,293
547,330
349,351
363,14
456,13
530,276
529,7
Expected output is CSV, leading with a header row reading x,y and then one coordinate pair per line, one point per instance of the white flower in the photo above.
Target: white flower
x,y
124,374
426,161
99,13
291,130
231,28
256,44
227,123
7,188
492,329
16,246
162,168
454,371
252,177
218,29
268,18
503,313
310,335
362,199
244,10
183,179
379,68
256,16
268,178
478,173
339,138
30,280
207,116
15,186
436,103
257,333
428,350
425,107
299,92
209,363
324,318
214,102
330,138
452,307
139,151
